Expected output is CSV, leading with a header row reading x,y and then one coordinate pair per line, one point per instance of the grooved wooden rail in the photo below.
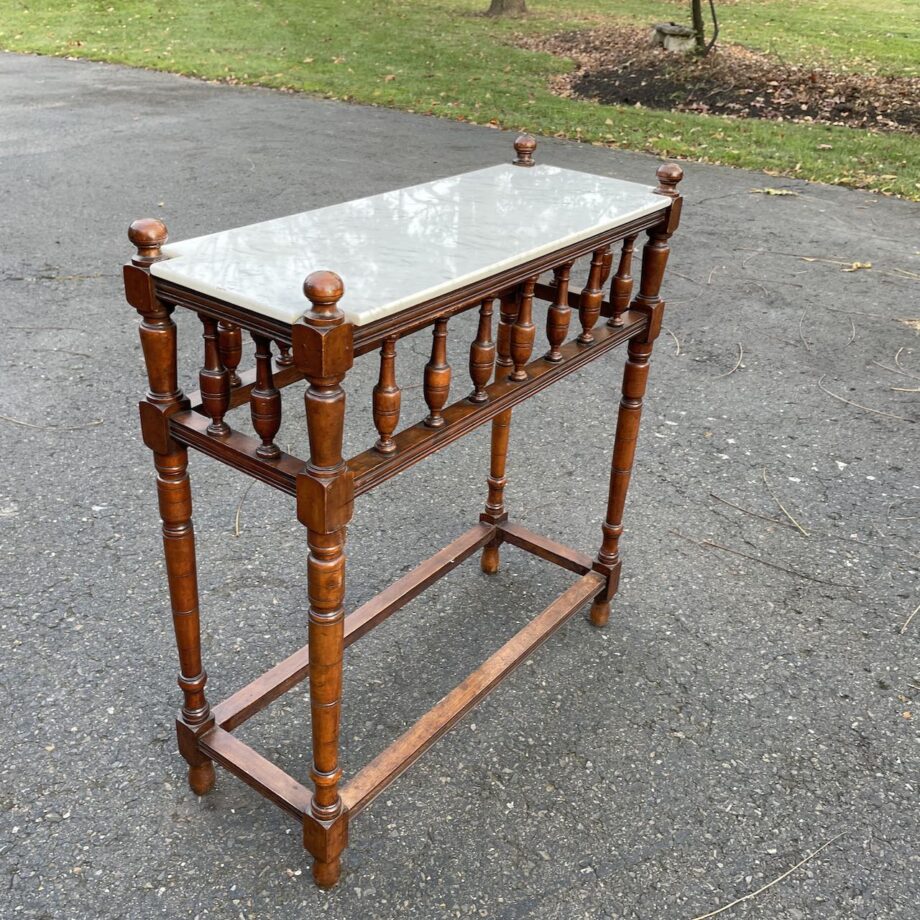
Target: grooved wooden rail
x,y
506,367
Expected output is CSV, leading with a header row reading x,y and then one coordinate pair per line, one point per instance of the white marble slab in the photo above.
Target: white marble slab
x,y
404,247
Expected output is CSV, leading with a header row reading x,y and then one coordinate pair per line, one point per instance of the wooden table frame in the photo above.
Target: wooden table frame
x,y
321,348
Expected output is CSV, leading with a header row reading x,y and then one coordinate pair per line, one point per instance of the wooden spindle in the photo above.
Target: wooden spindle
x,y
265,400
482,353
622,285
508,308
387,398
592,296
605,269
559,314
285,358
523,332
437,375
214,380
230,346
501,428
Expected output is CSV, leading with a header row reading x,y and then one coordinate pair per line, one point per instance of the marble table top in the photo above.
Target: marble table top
x,y
401,248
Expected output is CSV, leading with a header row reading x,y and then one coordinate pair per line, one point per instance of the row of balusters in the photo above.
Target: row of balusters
x,y
508,353
513,346
223,351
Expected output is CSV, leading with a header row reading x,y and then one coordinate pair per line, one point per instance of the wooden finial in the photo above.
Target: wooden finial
x,y
147,234
324,290
669,174
524,147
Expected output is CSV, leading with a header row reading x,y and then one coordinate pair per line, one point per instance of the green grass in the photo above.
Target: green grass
x,y
441,58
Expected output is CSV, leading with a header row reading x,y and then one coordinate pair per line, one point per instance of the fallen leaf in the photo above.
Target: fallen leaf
x,y
775,191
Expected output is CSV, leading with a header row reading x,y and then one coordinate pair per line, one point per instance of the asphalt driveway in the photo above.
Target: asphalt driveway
x,y
752,698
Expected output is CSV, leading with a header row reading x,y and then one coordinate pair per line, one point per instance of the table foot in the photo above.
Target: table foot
x,y
490,561
600,613
201,777
326,874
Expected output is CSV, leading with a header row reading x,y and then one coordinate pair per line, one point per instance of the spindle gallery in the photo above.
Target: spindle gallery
x,y
250,279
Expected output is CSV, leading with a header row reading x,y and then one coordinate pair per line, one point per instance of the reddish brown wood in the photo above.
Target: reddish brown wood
x,y
669,176
148,235
559,314
635,377
157,329
237,450
265,400
239,396
254,770
437,375
501,427
387,398
324,505
605,268
386,767
175,501
323,350
482,353
523,331
285,358
524,147
214,381
419,441
254,697
545,548
164,398
592,296
622,284
230,346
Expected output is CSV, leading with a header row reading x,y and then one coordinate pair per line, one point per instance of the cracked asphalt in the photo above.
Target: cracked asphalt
x,y
753,697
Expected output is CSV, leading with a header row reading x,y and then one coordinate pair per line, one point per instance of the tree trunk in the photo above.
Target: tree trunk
x,y
699,29
507,8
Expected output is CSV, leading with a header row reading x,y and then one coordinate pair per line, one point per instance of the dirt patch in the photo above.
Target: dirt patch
x,y
619,66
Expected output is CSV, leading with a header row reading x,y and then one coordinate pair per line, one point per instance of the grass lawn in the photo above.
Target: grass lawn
x,y
440,57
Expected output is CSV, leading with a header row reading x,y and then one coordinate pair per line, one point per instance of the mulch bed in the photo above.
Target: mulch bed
x,y
620,66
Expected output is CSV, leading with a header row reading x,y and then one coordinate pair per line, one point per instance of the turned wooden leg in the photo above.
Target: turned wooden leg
x,y
495,511
158,340
635,377
326,637
175,498
325,495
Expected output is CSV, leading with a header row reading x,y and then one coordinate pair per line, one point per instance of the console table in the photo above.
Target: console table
x,y
411,258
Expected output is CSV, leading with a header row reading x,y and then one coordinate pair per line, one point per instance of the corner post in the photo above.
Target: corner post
x,y
635,377
163,399
323,351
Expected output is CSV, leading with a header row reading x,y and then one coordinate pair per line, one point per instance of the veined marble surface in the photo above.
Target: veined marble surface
x,y
404,247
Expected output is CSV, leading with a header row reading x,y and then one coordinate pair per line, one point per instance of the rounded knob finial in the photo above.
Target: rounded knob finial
x,y
324,290
668,174
524,147
147,235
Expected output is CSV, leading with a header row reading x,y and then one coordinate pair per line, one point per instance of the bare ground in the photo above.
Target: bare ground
x,y
620,66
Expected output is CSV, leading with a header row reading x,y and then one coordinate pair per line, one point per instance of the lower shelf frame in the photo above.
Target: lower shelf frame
x,y
219,744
